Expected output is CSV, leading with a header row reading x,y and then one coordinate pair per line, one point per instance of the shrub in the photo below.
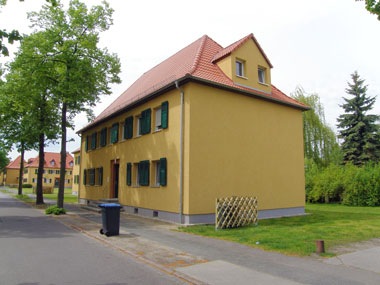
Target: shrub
x,y
27,186
328,185
55,210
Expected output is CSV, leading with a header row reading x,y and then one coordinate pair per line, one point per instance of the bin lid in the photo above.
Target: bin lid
x,y
110,205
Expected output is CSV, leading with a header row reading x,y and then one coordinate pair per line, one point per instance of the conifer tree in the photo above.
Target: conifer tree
x,y
359,130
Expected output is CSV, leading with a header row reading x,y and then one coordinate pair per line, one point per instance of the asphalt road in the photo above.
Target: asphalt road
x,y
36,250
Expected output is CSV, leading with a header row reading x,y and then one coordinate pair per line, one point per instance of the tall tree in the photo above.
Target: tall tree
x,y
359,131
82,71
29,113
320,142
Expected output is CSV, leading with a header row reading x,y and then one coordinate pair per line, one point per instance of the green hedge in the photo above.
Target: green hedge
x,y
27,186
349,184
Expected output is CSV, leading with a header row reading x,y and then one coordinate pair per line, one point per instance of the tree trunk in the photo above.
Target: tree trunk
x,y
61,190
41,162
21,175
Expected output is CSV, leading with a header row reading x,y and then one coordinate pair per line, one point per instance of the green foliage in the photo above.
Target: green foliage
x,y
4,160
23,197
350,184
320,143
27,186
373,6
359,131
55,210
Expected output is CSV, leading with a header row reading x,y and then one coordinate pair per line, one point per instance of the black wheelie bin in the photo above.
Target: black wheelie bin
x,y
110,219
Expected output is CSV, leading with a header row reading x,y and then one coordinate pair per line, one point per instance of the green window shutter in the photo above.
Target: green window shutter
x,y
86,144
128,128
84,176
163,171
115,133
93,141
101,176
129,174
103,137
164,114
36,171
144,173
145,121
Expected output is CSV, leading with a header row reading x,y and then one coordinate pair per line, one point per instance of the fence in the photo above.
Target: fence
x,y
233,212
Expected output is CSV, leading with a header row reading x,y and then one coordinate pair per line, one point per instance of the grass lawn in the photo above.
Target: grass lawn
x,y
335,224
68,197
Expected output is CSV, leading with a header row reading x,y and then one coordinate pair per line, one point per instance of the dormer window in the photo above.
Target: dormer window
x,y
239,68
71,163
52,163
261,73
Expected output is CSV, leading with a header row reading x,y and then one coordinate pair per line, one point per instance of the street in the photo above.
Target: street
x,y
37,250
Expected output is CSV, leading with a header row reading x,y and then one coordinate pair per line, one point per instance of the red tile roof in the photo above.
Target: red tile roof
x,y
52,156
75,151
15,164
196,62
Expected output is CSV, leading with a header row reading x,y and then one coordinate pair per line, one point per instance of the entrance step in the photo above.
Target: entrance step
x,y
93,204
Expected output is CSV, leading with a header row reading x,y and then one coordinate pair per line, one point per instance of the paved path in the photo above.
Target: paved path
x,y
36,250
216,261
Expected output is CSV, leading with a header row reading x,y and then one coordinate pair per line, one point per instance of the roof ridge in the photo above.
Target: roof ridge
x,y
198,55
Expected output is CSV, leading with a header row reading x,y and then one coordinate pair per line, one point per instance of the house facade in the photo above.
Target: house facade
x,y
205,123
51,172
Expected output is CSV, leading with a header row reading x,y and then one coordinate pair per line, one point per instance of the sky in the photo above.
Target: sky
x,y
313,44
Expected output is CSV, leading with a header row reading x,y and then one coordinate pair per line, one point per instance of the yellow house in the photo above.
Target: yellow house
x,y
76,171
11,173
205,123
51,172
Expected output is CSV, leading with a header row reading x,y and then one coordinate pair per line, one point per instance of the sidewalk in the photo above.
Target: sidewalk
x,y
204,260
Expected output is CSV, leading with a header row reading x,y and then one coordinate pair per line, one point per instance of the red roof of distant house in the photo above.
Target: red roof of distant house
x,y
76,151
15,164
194,61
53,157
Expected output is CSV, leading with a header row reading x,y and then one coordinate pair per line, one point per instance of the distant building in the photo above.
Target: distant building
x,y
51,172
11,173
76,171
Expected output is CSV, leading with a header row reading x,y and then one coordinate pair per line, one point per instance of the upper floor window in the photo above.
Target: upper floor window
x,y
239,68
261,73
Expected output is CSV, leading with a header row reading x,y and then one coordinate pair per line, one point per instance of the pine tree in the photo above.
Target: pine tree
x,y
359,131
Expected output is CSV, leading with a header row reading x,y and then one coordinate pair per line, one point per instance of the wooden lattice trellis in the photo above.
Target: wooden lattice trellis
x,y
233,212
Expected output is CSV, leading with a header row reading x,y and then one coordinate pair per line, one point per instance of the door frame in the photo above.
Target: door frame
x,y
112,188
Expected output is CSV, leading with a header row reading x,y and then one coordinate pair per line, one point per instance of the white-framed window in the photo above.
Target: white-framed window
x,y
71,163
138,124
239,68
261,74
156,173
52,163
157,122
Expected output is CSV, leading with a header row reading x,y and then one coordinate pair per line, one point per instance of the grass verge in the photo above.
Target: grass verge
x,y
335,224
68,197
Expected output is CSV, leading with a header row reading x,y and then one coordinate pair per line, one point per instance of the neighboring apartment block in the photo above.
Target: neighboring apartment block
x,y
205,123
11,173
51,172
76,171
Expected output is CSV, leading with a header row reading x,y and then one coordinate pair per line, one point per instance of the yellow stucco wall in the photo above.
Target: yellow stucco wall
x,y
2,178
32,174
233,145
252,58
12,176
152,146
243,146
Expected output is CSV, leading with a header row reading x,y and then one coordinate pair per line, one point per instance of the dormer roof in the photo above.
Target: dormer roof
x,y
52,156
232,47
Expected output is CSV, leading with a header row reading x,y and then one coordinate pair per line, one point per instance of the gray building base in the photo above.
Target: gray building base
x,y
207,218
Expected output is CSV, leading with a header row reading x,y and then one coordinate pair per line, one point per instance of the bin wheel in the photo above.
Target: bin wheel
x,y
101,232
107,234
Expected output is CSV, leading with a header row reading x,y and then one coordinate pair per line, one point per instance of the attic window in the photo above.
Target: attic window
x,y
52,163
239,68
261,73
71,163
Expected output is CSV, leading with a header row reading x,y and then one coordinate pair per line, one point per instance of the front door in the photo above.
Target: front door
x,y
114,193
56,182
